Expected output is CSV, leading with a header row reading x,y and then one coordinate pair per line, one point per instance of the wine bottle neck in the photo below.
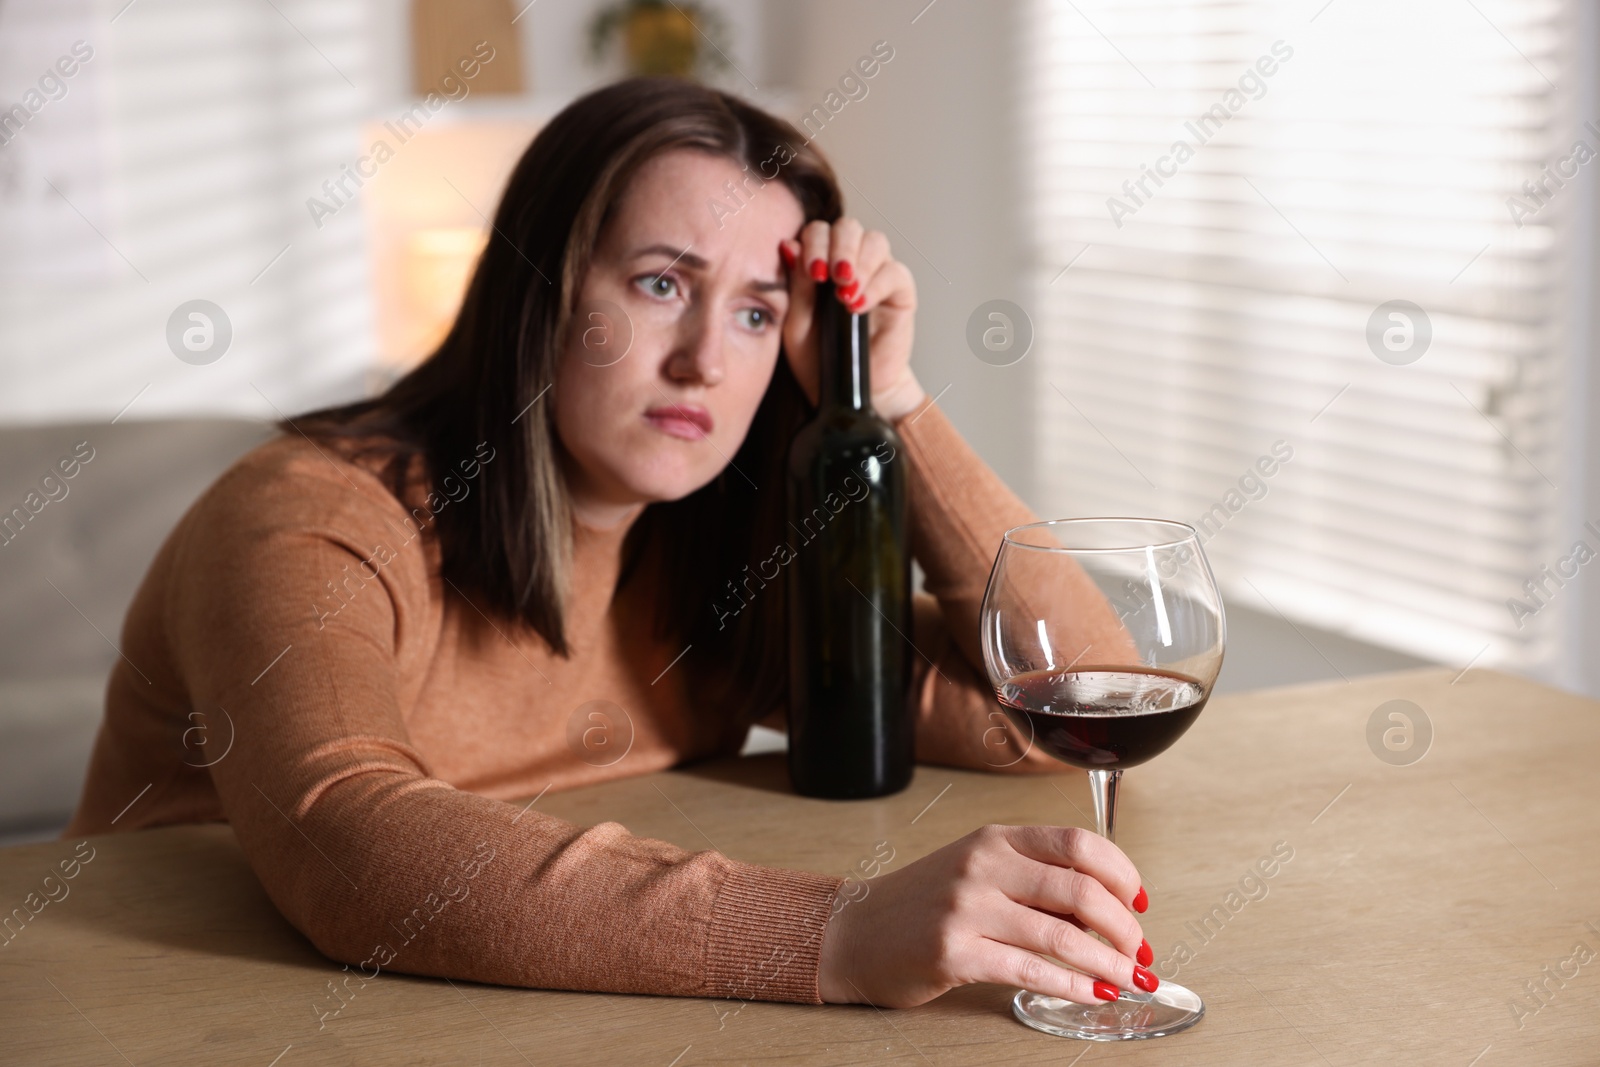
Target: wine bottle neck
x,y
842,353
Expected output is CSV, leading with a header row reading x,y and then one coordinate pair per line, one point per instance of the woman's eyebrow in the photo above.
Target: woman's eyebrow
x,y
694,262
688,258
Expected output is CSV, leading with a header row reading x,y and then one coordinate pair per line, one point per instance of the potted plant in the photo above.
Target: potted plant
x,y
661,36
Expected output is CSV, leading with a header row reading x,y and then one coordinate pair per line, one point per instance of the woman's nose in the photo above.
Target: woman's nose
x,y
698,356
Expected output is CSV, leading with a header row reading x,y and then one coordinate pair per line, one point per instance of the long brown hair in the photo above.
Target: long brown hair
x,y
509,545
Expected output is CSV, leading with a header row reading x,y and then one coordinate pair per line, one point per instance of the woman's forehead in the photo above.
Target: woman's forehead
x,y
687,198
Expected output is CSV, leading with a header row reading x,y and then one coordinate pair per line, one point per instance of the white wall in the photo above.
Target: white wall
x,y
930,157
1581,619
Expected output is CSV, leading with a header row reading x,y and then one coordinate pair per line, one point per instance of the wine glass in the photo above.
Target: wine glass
x,y
1102,638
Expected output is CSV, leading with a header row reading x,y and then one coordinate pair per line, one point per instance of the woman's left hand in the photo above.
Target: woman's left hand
x,y
868,279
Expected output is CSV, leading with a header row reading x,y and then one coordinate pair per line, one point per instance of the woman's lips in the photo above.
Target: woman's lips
x,y
688,421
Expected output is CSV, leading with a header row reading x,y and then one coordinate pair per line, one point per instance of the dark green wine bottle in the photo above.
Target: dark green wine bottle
x,y
851,729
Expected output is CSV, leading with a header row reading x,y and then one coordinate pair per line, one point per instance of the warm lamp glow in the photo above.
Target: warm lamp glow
x,y
438,265
426,212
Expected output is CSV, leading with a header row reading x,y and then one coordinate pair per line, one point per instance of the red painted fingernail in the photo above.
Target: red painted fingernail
x,y
819,271
1106,991
1145,956
788,254
858,303
1145,979
1141,902
848,292
843,271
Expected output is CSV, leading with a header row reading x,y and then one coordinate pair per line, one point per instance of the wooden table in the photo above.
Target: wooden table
x,y
1418,902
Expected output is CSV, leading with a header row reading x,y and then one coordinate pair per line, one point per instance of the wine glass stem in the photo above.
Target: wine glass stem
x,y
1103,786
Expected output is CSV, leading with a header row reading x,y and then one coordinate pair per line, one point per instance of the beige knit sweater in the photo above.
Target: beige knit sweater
x,y
380,725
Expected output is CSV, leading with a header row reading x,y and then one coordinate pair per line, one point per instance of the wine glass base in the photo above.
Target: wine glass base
x,y
1133,1016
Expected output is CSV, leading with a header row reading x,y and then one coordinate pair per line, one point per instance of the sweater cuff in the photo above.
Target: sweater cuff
x,y
935,445
765,936
915,415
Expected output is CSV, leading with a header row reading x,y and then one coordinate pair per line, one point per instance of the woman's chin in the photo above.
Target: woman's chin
x,y
674,481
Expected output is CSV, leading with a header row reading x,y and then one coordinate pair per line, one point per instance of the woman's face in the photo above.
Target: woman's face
x,y
676,334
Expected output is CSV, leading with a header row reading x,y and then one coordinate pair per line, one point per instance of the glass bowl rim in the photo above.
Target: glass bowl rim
x,y
1188,533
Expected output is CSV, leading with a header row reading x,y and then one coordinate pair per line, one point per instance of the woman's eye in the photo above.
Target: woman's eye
x,y
658,285
755,318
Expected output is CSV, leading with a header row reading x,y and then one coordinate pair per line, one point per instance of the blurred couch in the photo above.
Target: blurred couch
x,y
72,552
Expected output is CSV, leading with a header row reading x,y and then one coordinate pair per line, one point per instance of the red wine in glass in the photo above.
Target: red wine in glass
x,y
1102,638
1103,719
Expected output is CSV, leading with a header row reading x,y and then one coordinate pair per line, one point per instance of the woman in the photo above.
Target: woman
x,y
402,608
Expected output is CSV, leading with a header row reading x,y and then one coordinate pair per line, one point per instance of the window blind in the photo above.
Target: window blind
x,y
174,165
1228,197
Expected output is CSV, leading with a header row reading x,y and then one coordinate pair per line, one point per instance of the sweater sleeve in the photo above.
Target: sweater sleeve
x,y
959,513
384,866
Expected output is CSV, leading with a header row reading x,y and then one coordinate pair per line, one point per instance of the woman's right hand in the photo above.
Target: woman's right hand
x,y
978,909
